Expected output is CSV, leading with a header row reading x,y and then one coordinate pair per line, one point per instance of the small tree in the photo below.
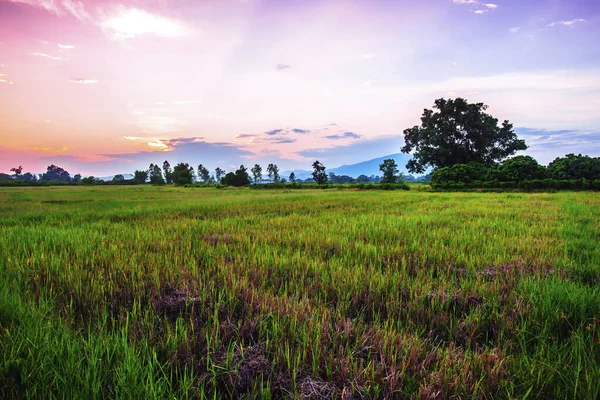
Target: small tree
x,y
156,176
18,170
140,177
390,171
292,177
183,174
574,166
518,169
273,172
256,173
319,174
76,178
459,133
239,178
168,173
118,178
219,173
203,174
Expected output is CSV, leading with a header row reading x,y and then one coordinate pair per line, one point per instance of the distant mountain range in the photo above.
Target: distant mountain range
x,y
368,168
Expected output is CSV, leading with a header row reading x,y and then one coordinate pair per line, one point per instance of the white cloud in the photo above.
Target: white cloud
x,y
465,1
76,9
138,112
47,56
179,103
83,81
65,46
131,23
59,8
515,29
491,5
480,11
567,23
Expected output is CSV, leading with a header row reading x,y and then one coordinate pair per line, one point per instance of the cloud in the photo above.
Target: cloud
x,y
132,23
345,135
369,56
83,81
76,9
515,29
545,145
477,7
47,56
58,8
246,136
300,131
65,46
184,102
281,67
277,140
358,150
570,23
274,132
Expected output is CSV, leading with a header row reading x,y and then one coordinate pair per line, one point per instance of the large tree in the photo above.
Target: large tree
x,y
459,132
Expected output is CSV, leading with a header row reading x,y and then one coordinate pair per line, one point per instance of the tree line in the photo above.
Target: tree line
x,y
185,174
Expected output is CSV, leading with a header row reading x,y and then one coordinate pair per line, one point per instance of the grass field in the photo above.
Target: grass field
x,y
164,292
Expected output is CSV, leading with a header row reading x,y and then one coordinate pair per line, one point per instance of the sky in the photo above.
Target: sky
x,y
105,87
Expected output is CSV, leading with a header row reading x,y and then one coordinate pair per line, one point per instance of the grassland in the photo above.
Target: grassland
x,y
164,292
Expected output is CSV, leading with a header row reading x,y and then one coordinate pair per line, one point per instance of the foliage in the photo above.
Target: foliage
x,y
389,168
167,171
461,173
292,177
319,174
155,174
273,173
118,178
183,174
574,166
518,169
219,173
56,173
459,133
140,177
257,173
239,178
203,174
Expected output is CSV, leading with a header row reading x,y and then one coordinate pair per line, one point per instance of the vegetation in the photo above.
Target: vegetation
x,y
389,168
459,133
523,172
168,292
319,174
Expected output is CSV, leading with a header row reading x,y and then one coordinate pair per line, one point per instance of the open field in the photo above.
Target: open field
x,y
164,292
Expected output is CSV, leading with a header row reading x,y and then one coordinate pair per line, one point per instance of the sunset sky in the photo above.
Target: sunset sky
x,y
106,87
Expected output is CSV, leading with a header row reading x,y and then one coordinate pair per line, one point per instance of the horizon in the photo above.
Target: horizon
x,y
107,87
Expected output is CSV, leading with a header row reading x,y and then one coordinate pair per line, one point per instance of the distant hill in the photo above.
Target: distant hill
x,y
109,178
368,168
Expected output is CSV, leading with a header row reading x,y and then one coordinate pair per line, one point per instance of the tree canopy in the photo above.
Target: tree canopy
x,y
319,174
459,132
390,171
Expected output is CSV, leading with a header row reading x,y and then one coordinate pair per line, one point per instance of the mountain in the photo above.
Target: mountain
x,y
109,178
368,168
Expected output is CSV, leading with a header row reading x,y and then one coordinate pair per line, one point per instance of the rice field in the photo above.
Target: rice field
x,y
170,292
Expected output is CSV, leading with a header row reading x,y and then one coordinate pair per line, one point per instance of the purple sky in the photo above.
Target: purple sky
x,y
105,87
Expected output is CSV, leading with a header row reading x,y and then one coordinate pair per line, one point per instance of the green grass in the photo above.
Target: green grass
x,y
165,292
